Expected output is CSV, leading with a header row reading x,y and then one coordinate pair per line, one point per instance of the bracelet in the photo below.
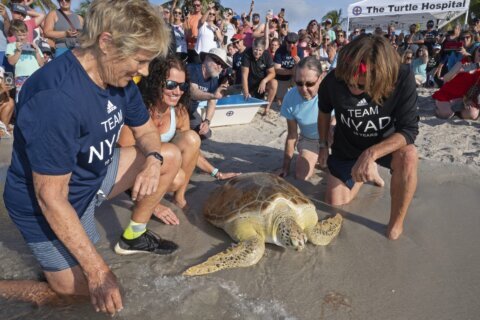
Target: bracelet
x,y
207,121
322,144
214,172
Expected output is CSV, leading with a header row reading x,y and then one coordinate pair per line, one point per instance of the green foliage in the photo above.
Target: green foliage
x,y
83,7
335,16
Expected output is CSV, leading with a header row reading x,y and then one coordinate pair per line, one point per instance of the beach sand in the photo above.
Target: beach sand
x,y
431,272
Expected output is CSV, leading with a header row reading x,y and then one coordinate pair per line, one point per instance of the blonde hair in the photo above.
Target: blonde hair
x,y
382,64
133,24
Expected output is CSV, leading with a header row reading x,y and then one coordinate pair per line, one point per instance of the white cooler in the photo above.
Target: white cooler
x,y
232,110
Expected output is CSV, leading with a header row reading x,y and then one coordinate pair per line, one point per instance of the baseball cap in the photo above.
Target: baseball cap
x,y
328,21
18,8
237,37
291,37
437,46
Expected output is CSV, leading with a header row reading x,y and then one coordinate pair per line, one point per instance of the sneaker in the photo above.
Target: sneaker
x,y
147,242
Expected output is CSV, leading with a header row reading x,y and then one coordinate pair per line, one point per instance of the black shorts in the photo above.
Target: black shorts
x,y
342,168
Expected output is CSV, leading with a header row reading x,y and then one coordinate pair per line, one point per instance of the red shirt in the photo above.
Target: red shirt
x,y
31,25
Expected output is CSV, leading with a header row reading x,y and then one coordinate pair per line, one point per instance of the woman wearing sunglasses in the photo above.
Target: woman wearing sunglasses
x,y
63,26
165,93
209,34
300,108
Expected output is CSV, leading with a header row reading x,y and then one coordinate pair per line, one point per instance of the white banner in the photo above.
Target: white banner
x,y
386,8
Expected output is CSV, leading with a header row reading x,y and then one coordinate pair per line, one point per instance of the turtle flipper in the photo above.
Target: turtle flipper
x,y
244,254
324,231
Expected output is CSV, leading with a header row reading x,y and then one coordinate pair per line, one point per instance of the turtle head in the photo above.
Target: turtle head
x,y
290,235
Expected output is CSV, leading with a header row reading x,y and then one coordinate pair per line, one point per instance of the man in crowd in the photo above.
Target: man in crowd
x,y
192,21
377,122
285,59
205,86
237,41
329,31
20,12
430,36
414,39
258,74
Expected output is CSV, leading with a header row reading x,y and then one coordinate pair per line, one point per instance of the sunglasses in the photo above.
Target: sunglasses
x,y
178,12
217,61
326,39
408,58
306,84
64,1
212,14
235,42
465,38
197,5
172,85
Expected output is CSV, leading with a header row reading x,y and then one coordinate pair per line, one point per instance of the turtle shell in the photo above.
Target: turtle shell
x,y
250,193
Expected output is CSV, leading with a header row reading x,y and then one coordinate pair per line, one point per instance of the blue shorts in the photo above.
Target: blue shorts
x,y
342,168
53,255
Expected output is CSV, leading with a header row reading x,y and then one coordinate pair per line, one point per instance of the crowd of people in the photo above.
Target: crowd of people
x,y
85,132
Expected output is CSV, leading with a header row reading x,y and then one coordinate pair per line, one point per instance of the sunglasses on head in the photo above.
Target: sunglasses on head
x,y
171,85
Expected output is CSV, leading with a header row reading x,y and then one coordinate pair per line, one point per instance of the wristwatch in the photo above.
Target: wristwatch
x,y
322,144
157,156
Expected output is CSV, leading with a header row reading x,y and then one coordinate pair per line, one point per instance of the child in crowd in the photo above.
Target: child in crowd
x,y
24,56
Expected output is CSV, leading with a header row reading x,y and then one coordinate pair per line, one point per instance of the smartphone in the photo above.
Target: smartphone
x,y
294,52
282,10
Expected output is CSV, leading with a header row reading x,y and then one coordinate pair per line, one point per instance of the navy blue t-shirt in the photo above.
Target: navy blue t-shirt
x,y
65,124
206,85
283,58
237,66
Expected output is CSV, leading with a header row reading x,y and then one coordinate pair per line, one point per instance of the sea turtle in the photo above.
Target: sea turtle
x,y
257,208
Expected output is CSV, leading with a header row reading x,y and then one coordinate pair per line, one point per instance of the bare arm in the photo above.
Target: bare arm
x,y
281,71
245,72
452,73
37,16
6,19
260,31
199,95
13,59
323,128
52,196
292,137
147,140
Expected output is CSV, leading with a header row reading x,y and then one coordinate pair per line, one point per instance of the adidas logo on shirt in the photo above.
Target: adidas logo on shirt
x,y
110,107
362,103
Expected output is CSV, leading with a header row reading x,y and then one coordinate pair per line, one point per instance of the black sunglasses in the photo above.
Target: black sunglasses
x,y
171,85
178,12
306,84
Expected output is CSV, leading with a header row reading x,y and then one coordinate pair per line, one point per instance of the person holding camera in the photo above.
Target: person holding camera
x,y
20,12
209,35
7,106
62,26
26,57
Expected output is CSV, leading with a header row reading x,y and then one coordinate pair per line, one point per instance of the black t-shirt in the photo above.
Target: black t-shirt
x,y
361,123
237,66
257,68
433,62
283,58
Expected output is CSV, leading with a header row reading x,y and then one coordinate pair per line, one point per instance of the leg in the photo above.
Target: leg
x,y
131,163
62,287
403,186
271,92
444,109
189,144
470,113
305,164
338,193
6,111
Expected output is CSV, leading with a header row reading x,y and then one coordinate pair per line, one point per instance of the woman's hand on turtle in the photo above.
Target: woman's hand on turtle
x,y
227,175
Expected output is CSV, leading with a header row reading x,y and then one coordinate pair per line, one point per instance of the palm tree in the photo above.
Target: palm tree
x,y
335,16
83,7
188,3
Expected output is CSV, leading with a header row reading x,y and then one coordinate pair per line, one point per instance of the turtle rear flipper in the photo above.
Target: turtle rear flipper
x,y
325,231
244,254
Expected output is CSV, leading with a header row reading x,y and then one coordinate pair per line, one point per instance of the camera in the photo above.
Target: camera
x,y
227,75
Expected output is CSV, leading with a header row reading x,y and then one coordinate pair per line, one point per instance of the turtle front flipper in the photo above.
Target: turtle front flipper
x,y
324,231
246,253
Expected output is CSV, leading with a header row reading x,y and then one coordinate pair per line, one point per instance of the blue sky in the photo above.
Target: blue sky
x,y
298,12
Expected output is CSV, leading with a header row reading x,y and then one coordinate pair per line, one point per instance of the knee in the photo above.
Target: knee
x,y
405,159
273,84
192,140
443,110
470,114
172,156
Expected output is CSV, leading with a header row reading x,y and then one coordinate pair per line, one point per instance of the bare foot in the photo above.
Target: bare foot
x,y
394,232
166,215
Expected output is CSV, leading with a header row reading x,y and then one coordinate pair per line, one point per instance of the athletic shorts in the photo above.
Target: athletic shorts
x,y
53,255
342,168
305,143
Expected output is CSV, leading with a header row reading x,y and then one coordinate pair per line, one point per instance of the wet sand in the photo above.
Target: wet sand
x,y
430,273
